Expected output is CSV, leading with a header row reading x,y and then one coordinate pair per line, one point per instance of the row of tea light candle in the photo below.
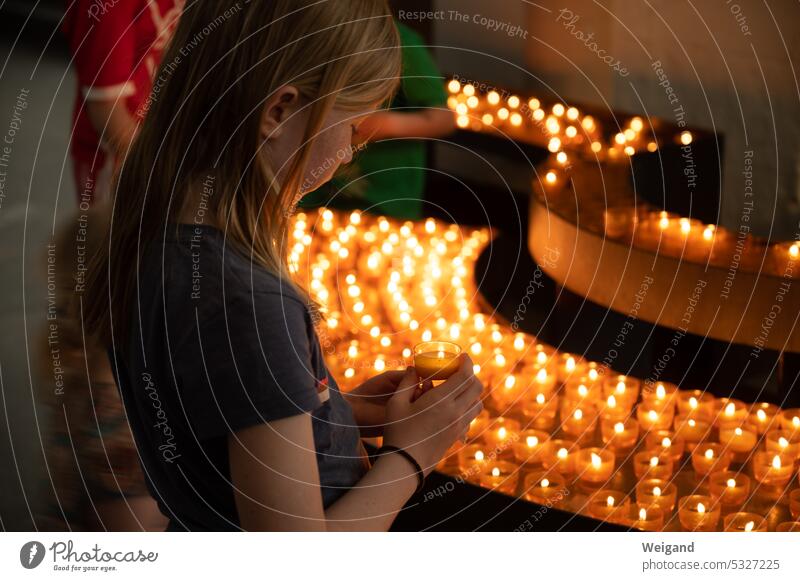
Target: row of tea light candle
x,y
692,240
386,285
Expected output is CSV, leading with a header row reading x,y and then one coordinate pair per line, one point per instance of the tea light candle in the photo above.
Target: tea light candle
x,y
696,403
614,411
772,469
645,518
788,527
741,440
709,458
608,505
730,412
620,436
581,390
661,396
744,522
594,465
657,492
569,365
625,389
531,446
500,476
545,487
790,420
730,488
698,513
579,423
794,503
561,456
651,418
540,411
543,382
692,430
665,442
502,433
436,360
470,456
650,465
764,416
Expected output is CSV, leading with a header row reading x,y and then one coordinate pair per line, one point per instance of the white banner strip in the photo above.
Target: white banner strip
x,y
400,556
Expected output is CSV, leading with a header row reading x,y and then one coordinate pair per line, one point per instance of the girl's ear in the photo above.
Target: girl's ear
x,y
277,109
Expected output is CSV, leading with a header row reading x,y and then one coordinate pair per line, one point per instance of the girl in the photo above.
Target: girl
x,y
236,418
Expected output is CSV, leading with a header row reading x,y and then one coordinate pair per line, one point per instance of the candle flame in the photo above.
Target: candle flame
x,y
541,359
541,376
501,433
794,250
656,491
730,409
654,461
621,387
495,471
652,415
708,233
709,453
661,393
596,461
776,462
701,508
532,441
686,226
570,364
731,483
562,453
619,427
479,456
544,483
738,431
642,514
692,402
749,526
666,443
510,381
762,416
540,398
796,422
582,390
593,374
783,442
610,501
612,401
578,415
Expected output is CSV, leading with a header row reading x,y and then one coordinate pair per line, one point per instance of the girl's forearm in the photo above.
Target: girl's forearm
x,y
373,503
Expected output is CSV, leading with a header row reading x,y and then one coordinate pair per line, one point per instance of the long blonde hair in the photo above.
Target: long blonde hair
x,y
203,119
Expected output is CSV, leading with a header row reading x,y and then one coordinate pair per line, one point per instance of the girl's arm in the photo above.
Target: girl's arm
x,y
274,470
274,465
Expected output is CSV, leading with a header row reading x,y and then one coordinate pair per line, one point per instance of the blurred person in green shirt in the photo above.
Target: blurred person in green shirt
x,y
388,176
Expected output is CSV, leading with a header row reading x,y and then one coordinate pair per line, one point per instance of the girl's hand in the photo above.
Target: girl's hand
x,y
369,400
426,426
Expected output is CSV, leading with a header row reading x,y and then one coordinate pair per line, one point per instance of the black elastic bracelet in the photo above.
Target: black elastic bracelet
x,y
420,474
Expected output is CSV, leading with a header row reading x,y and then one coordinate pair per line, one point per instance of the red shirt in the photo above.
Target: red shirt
x,y
116,47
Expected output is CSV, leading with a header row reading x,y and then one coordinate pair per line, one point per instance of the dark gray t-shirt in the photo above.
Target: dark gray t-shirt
x,y
219,344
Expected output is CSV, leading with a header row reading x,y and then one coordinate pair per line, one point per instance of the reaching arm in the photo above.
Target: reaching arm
x,y
274,467
113,123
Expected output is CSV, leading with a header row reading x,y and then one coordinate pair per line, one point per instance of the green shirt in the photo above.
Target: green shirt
x,y
388,177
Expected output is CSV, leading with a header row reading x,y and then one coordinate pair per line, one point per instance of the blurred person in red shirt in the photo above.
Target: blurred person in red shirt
x,y
116,47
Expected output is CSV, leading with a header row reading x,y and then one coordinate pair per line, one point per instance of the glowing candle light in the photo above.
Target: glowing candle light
x,y
730,488
500,476
532,446
620,436
561,456
650,518
436,360
686,138
710,458
608,505
594,466
772,470
744,522
698,513
657,492
651,465
545,487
